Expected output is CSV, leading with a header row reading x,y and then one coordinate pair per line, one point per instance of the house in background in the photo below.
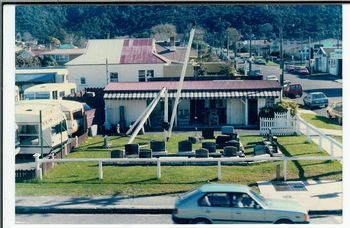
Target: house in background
x,y
336,63
28,77
329,60
203,103
64,53
116,60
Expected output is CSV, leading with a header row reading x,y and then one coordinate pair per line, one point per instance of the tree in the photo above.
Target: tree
x,y
265,30
48,61
163,31
55,42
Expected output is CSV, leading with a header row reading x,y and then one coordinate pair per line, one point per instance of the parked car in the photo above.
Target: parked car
x,y
302,71
260,61
336,111
272,78
316,99
233,203
292,90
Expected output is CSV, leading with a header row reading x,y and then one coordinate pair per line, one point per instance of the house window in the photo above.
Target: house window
x,y
62,58
82,80
28,135
113,77
144,75
270,101
54,94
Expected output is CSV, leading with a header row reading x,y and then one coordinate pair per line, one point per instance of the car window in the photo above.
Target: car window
x,y
318,96
215,200
242,200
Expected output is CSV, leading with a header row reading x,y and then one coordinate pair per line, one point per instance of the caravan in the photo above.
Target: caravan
x,y
73,110
49,91
40,127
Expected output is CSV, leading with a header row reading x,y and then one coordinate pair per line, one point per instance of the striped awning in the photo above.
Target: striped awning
x,y
195,94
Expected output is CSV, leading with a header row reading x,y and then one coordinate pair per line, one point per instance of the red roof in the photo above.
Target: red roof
x,y
195,85
138,51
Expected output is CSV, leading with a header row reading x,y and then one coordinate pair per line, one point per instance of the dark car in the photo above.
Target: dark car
x,y
293,90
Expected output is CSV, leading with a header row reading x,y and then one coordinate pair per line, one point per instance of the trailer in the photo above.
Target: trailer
x,y
54,91
42,128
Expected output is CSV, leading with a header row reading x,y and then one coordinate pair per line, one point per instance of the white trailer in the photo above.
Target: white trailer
x,y
41,128
73,110
49,91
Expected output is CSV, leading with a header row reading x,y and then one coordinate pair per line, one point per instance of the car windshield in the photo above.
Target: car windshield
x,y
318,96
188,194
259,197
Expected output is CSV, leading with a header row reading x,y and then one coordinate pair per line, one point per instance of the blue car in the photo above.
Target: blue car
x,y
233,203
316,99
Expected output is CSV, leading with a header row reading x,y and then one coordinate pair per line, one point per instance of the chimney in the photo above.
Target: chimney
x,y
172,44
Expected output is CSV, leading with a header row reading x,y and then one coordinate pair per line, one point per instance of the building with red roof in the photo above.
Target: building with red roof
x,y
203,102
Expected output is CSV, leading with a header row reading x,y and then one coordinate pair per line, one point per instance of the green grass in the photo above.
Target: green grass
x,y
81,179
338,138
321,121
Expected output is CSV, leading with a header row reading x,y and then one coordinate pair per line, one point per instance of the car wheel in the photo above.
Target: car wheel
x,y
201,221
284,221
339,120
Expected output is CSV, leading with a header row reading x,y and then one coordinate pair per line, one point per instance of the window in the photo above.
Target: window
x,y
215,200
62,58
82,81
42,96
28,135
144,75
77,115
54,94
57,128
113,77
242,200
72,91
270,101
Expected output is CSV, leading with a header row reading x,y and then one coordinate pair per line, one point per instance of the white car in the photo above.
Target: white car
x,y
272,78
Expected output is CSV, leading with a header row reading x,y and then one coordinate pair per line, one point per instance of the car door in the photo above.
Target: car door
x,y
216,206
246,210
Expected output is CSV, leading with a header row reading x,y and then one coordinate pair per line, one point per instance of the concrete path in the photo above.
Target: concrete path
x,y
319,195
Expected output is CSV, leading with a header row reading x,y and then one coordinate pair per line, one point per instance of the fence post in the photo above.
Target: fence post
x,y
298,126
65,149
76,141
319,143
307,134
219,170
158,169
100,171
38,171
285,169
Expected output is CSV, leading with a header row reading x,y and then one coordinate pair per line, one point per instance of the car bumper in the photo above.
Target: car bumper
x,y
304,222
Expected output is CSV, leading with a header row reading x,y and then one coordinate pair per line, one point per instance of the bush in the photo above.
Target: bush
x,y
282,106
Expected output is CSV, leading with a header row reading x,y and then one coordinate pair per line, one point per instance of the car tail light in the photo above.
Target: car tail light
x,y
306,217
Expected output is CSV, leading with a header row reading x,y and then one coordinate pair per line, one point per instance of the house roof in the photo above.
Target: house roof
x,y
175,56
71,51
327,51
119,51
214,85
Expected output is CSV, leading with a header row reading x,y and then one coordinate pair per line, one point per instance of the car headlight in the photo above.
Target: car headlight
x,y
306,217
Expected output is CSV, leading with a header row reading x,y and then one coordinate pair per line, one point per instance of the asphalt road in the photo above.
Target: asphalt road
x,y
126,219
325,84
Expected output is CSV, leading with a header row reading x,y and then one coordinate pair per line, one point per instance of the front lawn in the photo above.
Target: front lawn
x,y
81,179
321,121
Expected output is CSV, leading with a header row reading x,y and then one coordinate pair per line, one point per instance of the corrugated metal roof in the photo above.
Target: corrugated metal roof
x,y
195,85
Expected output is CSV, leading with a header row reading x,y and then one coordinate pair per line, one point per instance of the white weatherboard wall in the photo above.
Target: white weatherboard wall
x,y
132,110
235,112
95,75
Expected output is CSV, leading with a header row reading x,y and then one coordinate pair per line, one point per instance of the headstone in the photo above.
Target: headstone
x,y
145,153
202,153
234,143
259,150
211,146
230,151
117,154
185,146
221,140
208,133
157,146
227,130
93,130
132,149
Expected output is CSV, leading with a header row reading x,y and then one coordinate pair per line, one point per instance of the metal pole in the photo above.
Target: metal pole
x,y
250,55
61,139
310,56
179,86
41,134
107,77
166,114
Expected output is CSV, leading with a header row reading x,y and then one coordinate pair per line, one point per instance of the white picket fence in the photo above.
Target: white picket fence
x,y
283,124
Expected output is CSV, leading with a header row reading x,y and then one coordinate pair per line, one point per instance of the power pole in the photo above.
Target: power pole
x,y
281,55
250,54
228,45
41,135
310,67
107,71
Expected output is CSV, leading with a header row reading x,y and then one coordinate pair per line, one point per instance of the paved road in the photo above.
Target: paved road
x,y
125,219
324,84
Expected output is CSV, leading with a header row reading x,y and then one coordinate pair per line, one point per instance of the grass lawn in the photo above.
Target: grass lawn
x,y
81,179
338,138
321,121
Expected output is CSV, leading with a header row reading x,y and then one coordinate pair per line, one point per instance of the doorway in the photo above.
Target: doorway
x,y
252,111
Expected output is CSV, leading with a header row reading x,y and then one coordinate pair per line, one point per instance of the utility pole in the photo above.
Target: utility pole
x,y
228,45
41,134
107,71
310,67
281,55
250,54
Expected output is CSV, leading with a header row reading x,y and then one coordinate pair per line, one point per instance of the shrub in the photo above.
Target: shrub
x,y
282,106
